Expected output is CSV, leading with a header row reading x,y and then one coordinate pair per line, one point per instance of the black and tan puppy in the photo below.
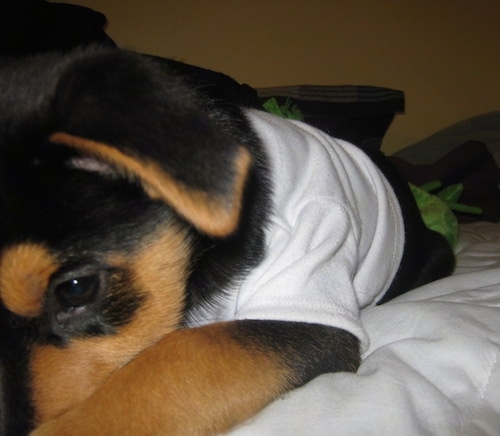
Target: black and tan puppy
x,y
170,265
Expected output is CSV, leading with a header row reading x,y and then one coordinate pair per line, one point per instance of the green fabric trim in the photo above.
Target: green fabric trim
x,y
285,111
437,210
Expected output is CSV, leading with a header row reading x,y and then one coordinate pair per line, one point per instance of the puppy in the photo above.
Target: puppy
x,y
171,264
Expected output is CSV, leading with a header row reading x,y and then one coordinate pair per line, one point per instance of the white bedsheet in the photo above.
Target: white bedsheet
x,y
432,367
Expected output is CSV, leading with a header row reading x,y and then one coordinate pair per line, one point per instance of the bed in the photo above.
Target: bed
x,y
432,367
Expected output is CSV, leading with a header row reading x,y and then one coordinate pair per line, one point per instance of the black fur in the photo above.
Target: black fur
x,y
16,336
308,350
427,255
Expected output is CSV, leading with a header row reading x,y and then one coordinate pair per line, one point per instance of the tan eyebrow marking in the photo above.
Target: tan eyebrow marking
x,y
25,271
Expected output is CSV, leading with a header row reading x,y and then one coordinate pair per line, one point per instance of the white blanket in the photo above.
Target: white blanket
x,y
432,367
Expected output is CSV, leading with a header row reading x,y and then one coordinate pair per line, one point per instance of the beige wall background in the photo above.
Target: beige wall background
x,y
444,54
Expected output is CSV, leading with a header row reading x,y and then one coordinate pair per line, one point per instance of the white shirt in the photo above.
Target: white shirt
x,y
335,237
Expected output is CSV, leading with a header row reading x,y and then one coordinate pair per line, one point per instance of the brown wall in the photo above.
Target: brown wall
x,y
445,54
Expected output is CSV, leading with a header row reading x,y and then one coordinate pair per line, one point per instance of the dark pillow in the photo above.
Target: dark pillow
x,y
471,164
484,127
358,114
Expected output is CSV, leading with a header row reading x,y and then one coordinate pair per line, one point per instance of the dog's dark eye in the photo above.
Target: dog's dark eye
x,y
78,291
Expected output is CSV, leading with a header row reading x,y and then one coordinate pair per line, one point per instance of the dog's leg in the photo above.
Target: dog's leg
x,y
208,379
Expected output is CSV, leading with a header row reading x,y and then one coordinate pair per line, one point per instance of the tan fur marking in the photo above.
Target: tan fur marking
x,y
64,377
25,270
212,215
192,382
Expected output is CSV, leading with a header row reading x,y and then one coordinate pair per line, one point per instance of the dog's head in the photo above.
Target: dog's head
x,y
107,169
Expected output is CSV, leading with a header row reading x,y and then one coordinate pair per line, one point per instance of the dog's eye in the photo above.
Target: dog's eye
x,y
78,291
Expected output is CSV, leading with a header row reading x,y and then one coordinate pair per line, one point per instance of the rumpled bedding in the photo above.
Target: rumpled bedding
x,y
432,367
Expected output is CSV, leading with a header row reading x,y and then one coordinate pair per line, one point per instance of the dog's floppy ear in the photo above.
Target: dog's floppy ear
x,y
214,210
146,124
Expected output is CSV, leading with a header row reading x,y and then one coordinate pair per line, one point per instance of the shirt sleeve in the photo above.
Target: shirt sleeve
x,y
307,275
